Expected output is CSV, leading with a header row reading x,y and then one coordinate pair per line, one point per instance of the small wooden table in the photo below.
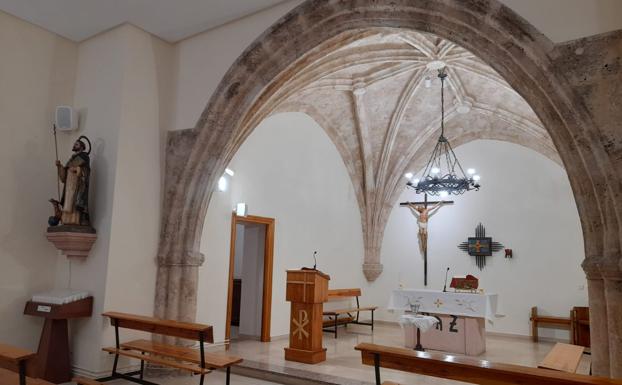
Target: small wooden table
x,y
563,357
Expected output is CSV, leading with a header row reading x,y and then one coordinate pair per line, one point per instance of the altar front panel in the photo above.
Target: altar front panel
x,y
454,334
450,303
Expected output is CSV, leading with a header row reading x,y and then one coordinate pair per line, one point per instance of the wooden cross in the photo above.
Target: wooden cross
x,y
425,204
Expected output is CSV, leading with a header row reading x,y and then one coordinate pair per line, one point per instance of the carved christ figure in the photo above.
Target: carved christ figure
x,y
423,214
73,208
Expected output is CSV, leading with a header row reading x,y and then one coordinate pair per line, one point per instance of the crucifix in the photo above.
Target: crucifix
x,y
423,211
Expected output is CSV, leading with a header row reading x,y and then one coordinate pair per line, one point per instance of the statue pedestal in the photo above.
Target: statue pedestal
x,y
73,241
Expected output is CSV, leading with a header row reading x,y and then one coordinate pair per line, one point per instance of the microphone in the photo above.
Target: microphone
x,y
314,260
445,287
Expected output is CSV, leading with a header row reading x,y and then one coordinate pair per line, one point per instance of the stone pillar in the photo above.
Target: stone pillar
x,y
598,317
612,274
177,286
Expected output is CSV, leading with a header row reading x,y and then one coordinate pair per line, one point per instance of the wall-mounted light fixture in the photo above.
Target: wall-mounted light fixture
x,y
241,209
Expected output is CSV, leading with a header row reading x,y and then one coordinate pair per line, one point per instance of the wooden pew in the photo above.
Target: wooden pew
x,y
13,362
537,320
468,369
173,356
346,316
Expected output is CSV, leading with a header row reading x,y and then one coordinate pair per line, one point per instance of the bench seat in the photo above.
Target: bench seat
x,y
351,310
340,321
334,320
212,360
8,377
196,369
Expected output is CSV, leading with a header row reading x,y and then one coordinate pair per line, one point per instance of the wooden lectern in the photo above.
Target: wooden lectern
x,y
53,361
307,290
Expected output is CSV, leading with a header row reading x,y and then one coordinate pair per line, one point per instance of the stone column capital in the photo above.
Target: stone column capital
x,y
372,271
183,259
591,267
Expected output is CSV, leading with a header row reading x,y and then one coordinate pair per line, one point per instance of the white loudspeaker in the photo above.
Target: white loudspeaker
x,y
66,118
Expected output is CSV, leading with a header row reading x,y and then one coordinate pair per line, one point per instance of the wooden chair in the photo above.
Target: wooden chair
x,y
538,320
346,316
13,362
468,369
173,356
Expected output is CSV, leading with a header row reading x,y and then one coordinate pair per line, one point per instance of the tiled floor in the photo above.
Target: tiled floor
x,y
343,361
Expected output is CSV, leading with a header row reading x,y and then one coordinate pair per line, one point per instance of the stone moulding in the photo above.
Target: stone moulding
x,y
570,87
72,244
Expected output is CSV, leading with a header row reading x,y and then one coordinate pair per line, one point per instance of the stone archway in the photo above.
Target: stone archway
x,y
540,72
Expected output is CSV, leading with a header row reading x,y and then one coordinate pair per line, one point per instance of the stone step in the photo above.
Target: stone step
x,y
290,376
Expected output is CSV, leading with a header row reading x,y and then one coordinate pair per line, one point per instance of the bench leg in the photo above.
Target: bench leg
x,y
202,379
377,368
372,320
336,325
142,367
228,374
22,373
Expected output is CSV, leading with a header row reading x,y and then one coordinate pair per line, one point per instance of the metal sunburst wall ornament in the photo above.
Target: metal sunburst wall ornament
x,y
480,246
443,175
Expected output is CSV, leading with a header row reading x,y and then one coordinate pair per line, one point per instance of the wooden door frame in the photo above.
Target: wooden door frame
x,y
268,263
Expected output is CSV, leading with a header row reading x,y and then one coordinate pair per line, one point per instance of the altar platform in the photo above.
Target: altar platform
x,y
265,361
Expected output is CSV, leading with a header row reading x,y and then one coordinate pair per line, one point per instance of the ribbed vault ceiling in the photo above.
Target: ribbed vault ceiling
x,y
377,95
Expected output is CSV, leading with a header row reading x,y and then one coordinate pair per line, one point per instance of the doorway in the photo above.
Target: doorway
x,y
249,297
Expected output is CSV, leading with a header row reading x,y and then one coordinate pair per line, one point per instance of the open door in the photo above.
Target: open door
x,y
267,225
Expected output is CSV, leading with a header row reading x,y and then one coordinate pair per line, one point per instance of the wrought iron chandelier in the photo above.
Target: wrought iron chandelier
x,y
443,175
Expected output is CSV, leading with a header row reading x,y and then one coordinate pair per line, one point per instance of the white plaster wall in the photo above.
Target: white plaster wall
x,y
121,77
99,84
252,280
203,60
36,73
238,262
287,169
527,205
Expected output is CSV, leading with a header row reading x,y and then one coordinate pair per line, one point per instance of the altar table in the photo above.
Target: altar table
x,y
461,326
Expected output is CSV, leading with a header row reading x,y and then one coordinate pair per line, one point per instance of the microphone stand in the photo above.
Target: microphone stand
x,y
445,286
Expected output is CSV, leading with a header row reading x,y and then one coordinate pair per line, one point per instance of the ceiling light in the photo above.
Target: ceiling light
x,y
435,65
471,171
229,172
408,175
428,82
222,184
452,179
464,108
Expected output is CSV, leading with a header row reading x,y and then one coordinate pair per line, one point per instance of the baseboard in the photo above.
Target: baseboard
x,y
82,372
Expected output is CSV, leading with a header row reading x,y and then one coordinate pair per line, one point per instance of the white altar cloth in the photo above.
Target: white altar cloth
x,y
422,322
451,303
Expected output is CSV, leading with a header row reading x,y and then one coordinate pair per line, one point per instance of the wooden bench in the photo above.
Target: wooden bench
x,y
468,369
173,356
13,362
580,318
346,316
537,320
563,357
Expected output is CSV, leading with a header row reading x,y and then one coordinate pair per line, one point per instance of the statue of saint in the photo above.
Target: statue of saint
x,y
423,214
73,208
